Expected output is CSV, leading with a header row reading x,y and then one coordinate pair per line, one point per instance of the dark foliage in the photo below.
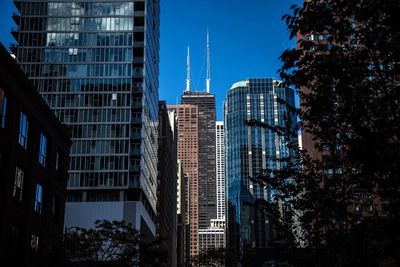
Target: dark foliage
x,y
341,202
220,257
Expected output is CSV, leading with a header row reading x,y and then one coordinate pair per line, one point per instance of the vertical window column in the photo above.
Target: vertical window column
x,y
3,108
42,150
23,131
39,199
18,184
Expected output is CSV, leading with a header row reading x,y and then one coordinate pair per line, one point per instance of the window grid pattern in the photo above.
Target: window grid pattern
x,y
248,150
87,60
188,155
220,174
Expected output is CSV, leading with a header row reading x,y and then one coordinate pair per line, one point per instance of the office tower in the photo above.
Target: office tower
x,y
96,65
205,102
34,150
220,169
249,150
167,184
188,155
213,237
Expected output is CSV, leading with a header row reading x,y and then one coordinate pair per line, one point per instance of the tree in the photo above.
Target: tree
x,y
107,244
344,200
217,257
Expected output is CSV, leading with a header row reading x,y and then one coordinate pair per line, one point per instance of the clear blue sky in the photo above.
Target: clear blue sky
x,y
246,36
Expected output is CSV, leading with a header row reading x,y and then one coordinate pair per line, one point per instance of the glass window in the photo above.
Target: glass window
x,y
3,106
57,160
34,242
18,184
23,131
39,199
42,150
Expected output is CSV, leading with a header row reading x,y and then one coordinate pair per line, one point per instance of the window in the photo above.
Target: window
x,y
23,131
18,184
39,199
3,107
42,150
57,161
34,242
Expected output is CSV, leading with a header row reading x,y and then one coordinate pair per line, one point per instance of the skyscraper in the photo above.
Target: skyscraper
x,y
96,65
188,155
220,169
249,150
167,184
205,103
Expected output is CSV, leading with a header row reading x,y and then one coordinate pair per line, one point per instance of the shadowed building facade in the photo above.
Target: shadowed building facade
x,y
34,150
249,150
167,184
96,65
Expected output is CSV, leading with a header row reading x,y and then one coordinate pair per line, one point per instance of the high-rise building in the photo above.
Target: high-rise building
x,y
249,150
167,184
220,169
213,237
96,65
188,155
205,103
34,149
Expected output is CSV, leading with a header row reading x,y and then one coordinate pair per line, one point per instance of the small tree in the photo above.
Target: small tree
x,y
217,257
107,244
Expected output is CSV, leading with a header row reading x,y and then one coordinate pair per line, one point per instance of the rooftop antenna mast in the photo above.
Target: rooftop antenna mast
x,y
188,71
208,64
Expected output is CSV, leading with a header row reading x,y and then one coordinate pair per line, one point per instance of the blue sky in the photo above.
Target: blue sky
x,y
246,36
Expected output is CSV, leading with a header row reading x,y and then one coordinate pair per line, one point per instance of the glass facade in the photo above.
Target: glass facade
x,y
249,150
96,65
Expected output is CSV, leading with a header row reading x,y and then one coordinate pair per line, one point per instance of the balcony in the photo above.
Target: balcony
x,y
16,17
17,4
13,48
15,32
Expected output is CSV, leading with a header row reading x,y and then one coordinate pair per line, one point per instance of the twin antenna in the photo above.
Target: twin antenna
x,y
208,79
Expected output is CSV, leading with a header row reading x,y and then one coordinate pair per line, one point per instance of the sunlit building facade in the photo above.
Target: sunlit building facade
x,y
207,200
187,124
249,150
220,169
96,65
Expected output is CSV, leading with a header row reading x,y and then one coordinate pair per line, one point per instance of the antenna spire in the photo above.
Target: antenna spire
x,y
208,64
188,70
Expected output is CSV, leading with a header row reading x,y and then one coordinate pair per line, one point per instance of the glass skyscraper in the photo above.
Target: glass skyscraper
x,y
96,65
249,150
